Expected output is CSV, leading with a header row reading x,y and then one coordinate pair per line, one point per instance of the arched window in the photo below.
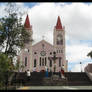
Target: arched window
x,y
42,61
61,51
34,62
25,61
59,39
45,61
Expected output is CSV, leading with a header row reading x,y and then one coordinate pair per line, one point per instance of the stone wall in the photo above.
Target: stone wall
x,y
88,70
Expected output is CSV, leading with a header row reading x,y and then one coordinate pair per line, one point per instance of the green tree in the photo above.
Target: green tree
x,y
12,32
19,66
90,54
5,66
13,37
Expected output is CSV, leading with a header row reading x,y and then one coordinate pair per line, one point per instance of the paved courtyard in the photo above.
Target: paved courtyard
x,y
55,88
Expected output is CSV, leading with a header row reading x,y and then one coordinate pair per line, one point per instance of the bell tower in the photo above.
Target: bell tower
x,y
59,42
26,52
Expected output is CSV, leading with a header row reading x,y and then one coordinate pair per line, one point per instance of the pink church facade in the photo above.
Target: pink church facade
x,y
39,56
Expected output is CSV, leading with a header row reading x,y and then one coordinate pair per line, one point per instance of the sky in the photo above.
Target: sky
x,y
77,19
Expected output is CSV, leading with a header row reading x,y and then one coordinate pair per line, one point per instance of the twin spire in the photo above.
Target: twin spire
x,y
58,25
27,23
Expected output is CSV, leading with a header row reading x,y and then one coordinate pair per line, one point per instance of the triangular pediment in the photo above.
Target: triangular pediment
x,y
42,42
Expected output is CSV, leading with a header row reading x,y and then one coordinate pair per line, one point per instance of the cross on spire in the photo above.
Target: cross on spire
x,y
43,37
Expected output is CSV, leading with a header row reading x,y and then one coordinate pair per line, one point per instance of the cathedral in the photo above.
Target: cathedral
x,y
44,55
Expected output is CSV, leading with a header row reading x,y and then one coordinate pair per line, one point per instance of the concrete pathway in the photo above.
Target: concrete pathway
x,y
55,88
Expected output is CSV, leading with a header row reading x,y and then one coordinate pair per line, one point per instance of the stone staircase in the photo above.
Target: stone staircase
x,y
21,78
51,82
78,79
39,79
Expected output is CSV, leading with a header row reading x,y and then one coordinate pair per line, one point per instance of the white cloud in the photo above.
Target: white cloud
x,y
2,12
42,18
77,53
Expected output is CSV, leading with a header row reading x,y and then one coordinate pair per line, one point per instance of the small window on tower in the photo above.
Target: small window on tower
x,y
61,51
59,39
35,52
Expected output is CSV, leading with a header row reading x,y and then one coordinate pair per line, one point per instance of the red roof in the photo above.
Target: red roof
x,y
58,25
27,23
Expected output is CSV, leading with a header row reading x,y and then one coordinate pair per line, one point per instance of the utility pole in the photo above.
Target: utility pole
x,y
81,66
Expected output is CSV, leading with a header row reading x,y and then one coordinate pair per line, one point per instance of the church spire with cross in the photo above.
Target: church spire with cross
x,y
27,23
58,25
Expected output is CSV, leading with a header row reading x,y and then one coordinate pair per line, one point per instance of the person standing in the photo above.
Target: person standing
x,y
47,72
51,73
28,74
34,69
62,72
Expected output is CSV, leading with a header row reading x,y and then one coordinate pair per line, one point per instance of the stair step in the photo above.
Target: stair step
x,y
73,78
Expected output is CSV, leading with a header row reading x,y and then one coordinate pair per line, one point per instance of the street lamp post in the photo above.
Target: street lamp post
x,y
81,66
54,59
